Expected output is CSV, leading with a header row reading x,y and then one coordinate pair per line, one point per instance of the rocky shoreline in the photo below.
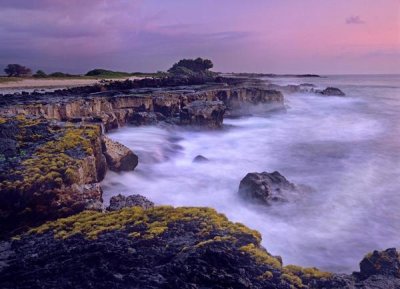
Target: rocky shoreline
x,y
54,153
165,247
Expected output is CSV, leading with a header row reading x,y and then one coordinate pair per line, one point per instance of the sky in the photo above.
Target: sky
x,y
270,36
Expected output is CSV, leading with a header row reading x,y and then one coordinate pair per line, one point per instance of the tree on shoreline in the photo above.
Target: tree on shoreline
x,y
192,67
16,70
40,74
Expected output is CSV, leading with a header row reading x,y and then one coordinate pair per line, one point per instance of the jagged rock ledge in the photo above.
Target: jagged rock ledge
x,y
166,247
50,169
193,104
53,153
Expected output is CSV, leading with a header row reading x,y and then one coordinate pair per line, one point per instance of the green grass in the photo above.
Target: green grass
x,y
104,73
4,79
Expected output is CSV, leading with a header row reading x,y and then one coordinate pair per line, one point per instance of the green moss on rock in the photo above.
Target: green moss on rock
x,y
49,166
261,256
156,221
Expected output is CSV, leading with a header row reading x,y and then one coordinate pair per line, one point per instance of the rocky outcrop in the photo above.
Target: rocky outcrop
x,y
379,269
165,247
52,154
332,91
119,202
266,187
115,108
203,113
50,169
159,247
53,171
385,263
119,157
147,118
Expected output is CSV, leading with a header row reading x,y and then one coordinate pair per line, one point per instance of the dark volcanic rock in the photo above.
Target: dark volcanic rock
x,y
161,247
8,147
9,130
119,202
200,159
265,187
164,247
47,170
378,270
381,263
332,91
204,113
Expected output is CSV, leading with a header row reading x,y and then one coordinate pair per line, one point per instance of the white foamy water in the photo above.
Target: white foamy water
x,y
347,149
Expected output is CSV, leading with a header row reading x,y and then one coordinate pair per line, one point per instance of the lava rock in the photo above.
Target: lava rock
x,y
332,91
119,157
162,247
381,263
119,202
200,159
8,147
265,187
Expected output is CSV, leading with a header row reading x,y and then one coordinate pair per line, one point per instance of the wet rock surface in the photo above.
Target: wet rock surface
x,y
119,202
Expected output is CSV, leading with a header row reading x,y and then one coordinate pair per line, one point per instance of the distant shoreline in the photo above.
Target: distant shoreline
x,y
49,83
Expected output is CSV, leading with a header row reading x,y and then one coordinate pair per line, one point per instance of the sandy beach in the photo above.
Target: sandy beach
x,y
31,83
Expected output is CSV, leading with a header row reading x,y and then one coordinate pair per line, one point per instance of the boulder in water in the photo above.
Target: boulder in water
x,y
200,159
265,187
332,91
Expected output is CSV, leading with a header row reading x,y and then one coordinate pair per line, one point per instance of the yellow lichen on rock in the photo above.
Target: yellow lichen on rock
x,y
310,273
156,220
261,256
50,166
294,280
267,275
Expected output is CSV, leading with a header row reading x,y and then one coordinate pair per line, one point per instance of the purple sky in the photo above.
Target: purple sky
x,y
280,36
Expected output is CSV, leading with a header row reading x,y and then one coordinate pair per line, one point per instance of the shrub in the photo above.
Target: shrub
x,y
62,74
106,73
195,65
40,74
17,70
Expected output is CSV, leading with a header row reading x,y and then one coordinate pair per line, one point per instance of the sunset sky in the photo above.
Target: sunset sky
x,y
279,36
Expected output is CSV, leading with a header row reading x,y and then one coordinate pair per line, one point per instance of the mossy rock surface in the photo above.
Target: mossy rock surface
x,y
160,247
39,162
